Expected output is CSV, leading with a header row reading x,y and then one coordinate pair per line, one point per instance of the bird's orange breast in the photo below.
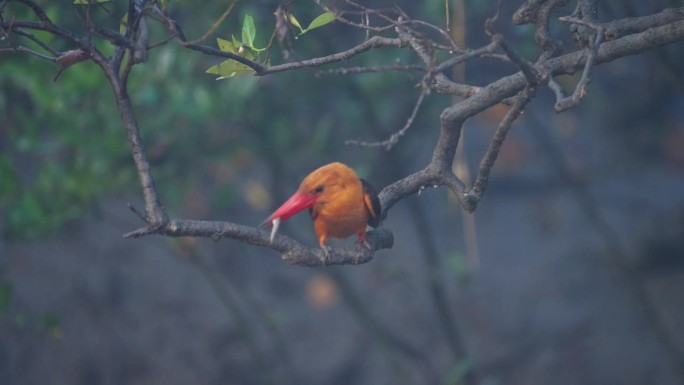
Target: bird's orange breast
x,y
340,211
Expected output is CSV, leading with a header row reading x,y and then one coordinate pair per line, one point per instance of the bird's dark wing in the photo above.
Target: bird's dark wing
x,y
370,199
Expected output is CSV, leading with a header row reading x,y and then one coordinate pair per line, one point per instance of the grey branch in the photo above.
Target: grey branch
x,y
290,250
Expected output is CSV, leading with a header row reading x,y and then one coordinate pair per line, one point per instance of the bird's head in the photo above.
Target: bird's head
x,y
319,183
322,182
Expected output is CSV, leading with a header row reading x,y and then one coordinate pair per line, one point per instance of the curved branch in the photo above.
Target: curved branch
x,y
394,138
290,250
480,185
373,42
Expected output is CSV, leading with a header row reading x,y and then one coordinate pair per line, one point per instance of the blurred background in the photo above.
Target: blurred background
x,y
571,270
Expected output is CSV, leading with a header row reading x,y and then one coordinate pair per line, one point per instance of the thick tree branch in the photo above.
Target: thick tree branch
x,y
622,27
290,250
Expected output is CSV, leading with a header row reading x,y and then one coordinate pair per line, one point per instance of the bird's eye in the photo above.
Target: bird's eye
x,y
317,190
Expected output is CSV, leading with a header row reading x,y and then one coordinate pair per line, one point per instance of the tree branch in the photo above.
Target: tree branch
x,y
373,42
290,250
563,103
477,191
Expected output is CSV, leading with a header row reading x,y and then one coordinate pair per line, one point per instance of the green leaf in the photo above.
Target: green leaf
x,y
248,31
237,48
293,20
227,46
321,20
229,69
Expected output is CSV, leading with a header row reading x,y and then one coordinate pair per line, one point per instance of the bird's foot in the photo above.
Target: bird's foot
x,y
363,242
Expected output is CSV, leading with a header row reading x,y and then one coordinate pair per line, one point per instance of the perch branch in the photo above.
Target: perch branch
x,y
290,250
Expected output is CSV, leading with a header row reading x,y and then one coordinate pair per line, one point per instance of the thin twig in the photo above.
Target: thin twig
x,y
137,212
528,69
394,138
216,24
34,39
564,103
489,23
366,70
364,12
372,43
467,55
28,51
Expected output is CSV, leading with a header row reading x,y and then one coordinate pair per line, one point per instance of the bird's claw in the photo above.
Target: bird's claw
x,y
365,243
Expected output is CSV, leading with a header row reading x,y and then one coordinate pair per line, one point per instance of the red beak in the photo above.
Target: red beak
x,y
297,202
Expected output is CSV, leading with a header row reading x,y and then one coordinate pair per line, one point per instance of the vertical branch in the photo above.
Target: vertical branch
x,y
154,212
480,185
445,150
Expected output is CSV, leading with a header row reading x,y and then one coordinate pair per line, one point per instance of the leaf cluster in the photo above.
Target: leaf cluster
x,y
247,49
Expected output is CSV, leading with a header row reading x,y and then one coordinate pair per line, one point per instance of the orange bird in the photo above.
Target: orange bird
x,y
340,204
